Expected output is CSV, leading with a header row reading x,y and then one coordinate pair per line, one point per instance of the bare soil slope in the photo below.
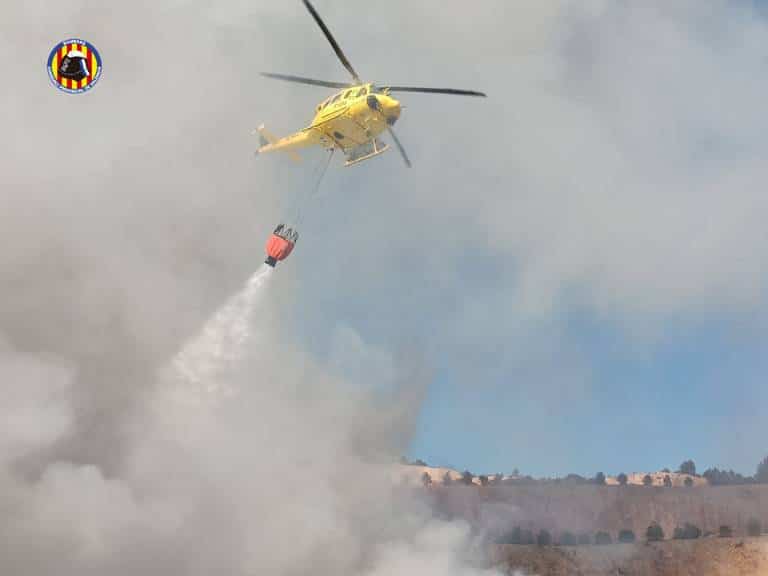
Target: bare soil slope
x,y
706,557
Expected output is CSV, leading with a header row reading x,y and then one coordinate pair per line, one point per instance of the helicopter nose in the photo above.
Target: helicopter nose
x,y
387,106
392,110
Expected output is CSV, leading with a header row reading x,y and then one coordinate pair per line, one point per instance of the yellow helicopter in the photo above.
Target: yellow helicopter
x,y
352,119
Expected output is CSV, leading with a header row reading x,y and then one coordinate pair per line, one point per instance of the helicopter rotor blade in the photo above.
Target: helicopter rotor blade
x,y
399,146
332,40
452,91
302,80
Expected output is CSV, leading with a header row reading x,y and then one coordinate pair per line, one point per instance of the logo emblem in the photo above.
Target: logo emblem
x,y
74,66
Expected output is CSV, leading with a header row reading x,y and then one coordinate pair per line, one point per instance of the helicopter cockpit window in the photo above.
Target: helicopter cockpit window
x,y
335,98
361,92
347,94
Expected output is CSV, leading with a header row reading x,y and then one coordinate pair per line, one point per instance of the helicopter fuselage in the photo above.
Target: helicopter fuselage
x,y
350,120
354,116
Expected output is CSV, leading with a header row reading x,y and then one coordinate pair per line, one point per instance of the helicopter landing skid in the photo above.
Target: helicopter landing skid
x,y
365,151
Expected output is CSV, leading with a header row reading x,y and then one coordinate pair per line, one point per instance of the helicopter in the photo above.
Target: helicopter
x,y
352,119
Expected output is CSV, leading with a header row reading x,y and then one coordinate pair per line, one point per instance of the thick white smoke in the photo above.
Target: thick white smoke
x,y
241,461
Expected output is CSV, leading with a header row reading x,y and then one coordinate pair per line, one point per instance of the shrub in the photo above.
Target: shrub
x,y
602,538
692,532
483,480
622,478
575,479
567,539
688,467
584,539
544,538
754,527
599,479
667,481
420,463
466,477
447,480
426,479
654,533
725,531
626,536
687,532
647,480
526,537
688,482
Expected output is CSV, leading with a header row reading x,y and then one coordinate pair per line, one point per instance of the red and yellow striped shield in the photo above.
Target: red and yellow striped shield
x,y
74,66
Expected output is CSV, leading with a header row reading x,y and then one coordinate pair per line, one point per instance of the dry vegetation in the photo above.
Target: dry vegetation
x,y
705,557
600,526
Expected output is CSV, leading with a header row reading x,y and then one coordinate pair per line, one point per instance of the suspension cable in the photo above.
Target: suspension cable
x,y
316,188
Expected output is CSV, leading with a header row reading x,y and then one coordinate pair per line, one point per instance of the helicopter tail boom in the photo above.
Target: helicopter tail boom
x,y
289,144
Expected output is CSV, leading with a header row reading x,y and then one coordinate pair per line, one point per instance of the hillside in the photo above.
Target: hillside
x,y
706,557
591,508
578,507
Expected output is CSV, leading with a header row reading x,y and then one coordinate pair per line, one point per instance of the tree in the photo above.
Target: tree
x,y
688,467
724,477
754,527
761,476
647,480
526,537
515,472
466,477
667,481
447,480
666,471
725,531
496,479
483,480
654,533
426,479
584,539
602,538
622,478
688,481
567,539
599,479
420,463
544,538
513,536
626,536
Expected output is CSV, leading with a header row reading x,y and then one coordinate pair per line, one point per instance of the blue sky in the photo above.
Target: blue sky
x,y
697,393
588,287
